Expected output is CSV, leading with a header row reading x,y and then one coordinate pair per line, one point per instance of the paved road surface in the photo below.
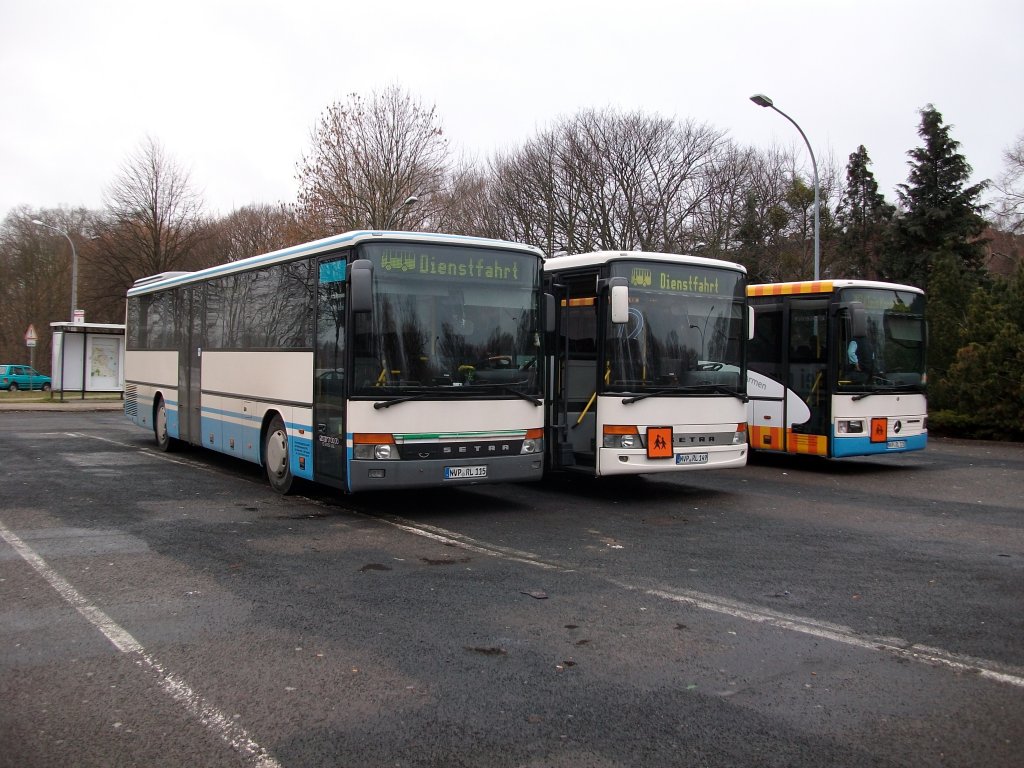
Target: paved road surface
x,y
171,610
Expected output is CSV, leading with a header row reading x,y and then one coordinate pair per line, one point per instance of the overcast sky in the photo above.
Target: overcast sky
x,y
232,89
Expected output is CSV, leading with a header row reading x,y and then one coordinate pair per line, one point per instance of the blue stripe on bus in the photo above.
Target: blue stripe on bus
x,y
862,446
217,434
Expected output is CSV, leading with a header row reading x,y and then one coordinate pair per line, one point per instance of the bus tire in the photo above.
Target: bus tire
x,y
276,460
164,442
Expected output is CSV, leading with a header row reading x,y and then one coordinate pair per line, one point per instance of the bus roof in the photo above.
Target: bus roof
x,y
172,279
605,257
822,286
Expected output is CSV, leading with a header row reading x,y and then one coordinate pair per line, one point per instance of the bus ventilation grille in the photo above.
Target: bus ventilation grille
x,y
131,401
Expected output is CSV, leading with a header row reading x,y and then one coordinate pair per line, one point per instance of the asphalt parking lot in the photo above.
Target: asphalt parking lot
x,y
172,610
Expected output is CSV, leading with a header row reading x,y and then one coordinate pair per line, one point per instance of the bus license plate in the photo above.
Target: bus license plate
x,y
691,458
893,444
456,473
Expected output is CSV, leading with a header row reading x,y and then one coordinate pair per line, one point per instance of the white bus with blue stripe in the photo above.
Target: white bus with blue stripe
x,y
837,368
367,360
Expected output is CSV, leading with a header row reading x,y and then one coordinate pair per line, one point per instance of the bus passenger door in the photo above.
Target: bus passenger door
x,y
330,388
808,370
579,380
190,351
766,389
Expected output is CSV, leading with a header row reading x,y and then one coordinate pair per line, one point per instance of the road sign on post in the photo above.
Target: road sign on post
x,y
30,336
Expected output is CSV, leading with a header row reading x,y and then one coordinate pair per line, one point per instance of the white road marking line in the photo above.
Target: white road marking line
x,y
985,668
461,541
215,721
839,634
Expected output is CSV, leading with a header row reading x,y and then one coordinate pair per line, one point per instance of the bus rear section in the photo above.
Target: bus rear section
x,y
837,368
646,372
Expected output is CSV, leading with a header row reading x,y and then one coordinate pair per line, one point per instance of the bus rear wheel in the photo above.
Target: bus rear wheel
x,y
164,441
276,458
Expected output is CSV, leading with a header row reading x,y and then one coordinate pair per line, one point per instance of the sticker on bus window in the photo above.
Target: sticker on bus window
x,y
332,271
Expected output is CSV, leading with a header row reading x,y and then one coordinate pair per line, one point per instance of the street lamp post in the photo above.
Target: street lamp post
x,y
74,265
763,101
410,200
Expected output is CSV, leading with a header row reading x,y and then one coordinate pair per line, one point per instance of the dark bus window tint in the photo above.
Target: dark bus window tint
x,y
766,346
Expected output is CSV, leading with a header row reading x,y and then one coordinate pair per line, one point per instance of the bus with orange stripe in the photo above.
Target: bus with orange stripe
x,y
836,368
646,367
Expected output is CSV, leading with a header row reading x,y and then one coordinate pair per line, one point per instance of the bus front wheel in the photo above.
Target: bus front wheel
x,y
275,456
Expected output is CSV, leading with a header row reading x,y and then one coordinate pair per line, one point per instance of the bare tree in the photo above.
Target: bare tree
x,y
602,179
462,206
367,157
153,223
1008,209
716,220
250,231
35,278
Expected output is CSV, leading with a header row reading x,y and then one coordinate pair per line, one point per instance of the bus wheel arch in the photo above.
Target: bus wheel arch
x,y
276,455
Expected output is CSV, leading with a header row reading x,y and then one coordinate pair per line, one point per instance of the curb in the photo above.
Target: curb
x,y
83,406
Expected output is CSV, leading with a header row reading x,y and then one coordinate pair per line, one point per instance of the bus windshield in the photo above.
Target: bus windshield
x,y
448,321
685,331
891,353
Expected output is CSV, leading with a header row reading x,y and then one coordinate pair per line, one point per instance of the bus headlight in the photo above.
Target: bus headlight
x,y
534,442
850,427
372,446
740,438
621,436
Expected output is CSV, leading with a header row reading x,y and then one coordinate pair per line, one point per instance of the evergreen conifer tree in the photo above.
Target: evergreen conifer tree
x,y
864,219
940,213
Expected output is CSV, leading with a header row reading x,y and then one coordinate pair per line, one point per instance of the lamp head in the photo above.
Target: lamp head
x,y
761,100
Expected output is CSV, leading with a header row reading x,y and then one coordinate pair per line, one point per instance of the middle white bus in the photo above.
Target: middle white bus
x,y
646,370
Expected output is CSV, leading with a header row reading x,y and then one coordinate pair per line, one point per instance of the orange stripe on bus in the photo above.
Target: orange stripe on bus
x,y
788,289
372,438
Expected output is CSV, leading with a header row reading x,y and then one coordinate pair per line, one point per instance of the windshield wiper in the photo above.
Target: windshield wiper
x,y
686,390
466,392
511,390
887,389
652,393
403,399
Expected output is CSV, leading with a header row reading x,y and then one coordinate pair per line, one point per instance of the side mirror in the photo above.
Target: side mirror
x,y
619,290
361,285
549,313
750,322
858,319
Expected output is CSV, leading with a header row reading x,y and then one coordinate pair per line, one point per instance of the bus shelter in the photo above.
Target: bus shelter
x,y
87,357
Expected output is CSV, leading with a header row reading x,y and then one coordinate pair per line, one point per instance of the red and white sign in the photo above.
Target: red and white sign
x,y
30,336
